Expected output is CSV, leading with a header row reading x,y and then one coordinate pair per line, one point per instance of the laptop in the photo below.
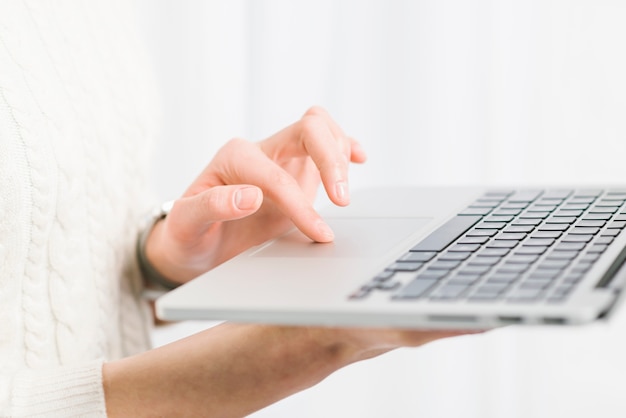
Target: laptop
x,y
416,257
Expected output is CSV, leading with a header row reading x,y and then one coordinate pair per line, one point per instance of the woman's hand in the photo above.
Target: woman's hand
x,y
252,192
232,370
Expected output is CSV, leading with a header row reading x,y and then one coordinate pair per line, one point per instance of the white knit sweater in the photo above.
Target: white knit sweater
x,y
75,122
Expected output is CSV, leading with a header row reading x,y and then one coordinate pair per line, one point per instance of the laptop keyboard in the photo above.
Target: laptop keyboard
x,y
512,246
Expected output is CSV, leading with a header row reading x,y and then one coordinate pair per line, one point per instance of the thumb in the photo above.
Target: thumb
x,y
196,213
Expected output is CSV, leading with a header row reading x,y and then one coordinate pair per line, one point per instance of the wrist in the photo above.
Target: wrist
x,y
156,282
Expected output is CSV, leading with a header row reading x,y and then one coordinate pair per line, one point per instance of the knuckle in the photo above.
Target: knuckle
x,y
310,125
214,201
315,111
333,165
281,178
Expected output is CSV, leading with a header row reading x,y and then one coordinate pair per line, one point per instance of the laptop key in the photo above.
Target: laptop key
x,y
484,261
543,275
534,215
512,268
522,259
464,248
579,230
597,248
553,227
539,242
575,206
535,221
447,233
485,204
518,205
581,199
432,275
561,220
518,228
610,232
577,238
609,203
415,289
449,291
591,224
545,234
405,266
602,209
475,269
573,277
414,257
524,196
454,256
502,244
489,291
475,211
617,224
603,240
525,295
524,250
499,218
537,282
518,236
473,240
570,246
385,286
557,194
444,265
507,212
501,194
491,225
383,276
587,193
568,212
591,257
464,279
493,252
503,278
597,216
553,264
562,255
481,232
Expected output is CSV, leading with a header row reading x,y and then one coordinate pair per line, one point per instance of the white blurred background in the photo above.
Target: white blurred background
x,y
438,92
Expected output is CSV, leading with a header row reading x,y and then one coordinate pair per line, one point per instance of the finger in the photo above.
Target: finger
x,y
253,166
314,138
193,216
351,148
357,153
338,133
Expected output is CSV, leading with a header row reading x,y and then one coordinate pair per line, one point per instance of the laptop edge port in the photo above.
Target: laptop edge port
x,y
510,319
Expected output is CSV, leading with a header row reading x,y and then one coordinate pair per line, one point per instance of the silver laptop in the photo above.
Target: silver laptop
x,y
430,258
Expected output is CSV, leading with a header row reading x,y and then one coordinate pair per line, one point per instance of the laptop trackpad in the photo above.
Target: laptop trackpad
x,y
361,237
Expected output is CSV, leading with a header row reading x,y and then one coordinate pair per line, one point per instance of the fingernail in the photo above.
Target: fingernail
x,y
341,189
247,198
325,231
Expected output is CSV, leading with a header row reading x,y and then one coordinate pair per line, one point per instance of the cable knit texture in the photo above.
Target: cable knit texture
x,y
75,126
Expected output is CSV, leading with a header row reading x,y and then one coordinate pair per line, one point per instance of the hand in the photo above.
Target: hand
x,y
252,192
232,370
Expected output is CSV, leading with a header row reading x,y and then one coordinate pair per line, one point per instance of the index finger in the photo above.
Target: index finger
x,y
253,166
312,136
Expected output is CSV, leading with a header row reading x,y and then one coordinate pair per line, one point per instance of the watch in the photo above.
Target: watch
x,y
157,284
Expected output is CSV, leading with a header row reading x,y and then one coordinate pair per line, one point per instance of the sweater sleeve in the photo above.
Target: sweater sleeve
x,y
68,391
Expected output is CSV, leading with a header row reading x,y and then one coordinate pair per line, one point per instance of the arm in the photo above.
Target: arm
x,y
251,192
234,369
248,194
